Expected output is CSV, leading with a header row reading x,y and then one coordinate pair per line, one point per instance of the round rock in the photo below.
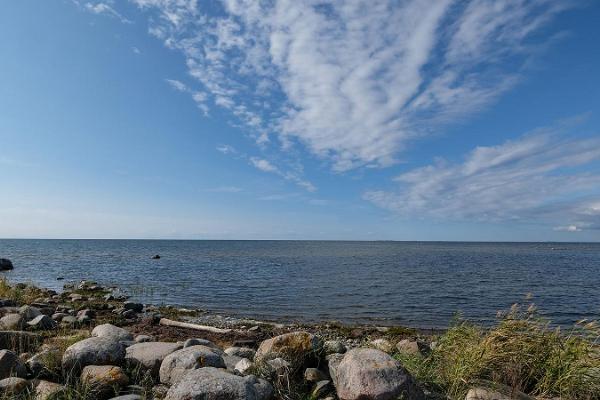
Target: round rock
x,y
176,364
112,332
371,374
93,351
150,355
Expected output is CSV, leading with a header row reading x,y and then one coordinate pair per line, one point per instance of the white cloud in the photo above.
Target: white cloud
x,y
353,80
533,178
263,165
569,228
135,50
105,8
226,149
177,85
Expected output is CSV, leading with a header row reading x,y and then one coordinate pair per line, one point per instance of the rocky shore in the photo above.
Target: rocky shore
x,y
89,342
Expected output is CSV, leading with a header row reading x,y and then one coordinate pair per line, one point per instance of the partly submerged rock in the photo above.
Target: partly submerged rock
x,y
6,264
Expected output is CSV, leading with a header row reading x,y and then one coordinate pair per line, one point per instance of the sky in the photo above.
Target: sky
x,y
300,119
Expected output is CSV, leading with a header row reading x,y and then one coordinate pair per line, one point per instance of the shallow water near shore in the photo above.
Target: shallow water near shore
x,y
419,284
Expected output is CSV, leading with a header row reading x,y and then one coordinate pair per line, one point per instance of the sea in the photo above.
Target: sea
x,y
417,284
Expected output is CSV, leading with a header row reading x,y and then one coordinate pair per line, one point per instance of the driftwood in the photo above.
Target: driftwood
x,y
178,324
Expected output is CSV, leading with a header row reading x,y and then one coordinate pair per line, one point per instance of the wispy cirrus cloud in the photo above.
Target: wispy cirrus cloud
x,y
354,81
537,177
103,8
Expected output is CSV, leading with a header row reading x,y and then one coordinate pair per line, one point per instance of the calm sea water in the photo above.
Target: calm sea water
x,y
419,284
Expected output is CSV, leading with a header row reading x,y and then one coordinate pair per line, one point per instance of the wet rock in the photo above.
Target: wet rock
x,y
214,384
407,346
12,386
295,347
243,352
135,307
112,332
150,355
104,379
11,365
176,364
334,346
371,374
42,322
12,322
6,264
93,351
46,390
383,345
314,375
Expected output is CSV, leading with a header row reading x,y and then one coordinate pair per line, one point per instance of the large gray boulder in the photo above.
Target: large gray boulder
x,y
371,374
295,347
11,365
29,312
150,355
112,332
214,384
93,351
176,364
12,321
42,322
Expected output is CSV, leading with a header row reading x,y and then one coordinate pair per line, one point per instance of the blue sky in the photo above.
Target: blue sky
x,y
387,120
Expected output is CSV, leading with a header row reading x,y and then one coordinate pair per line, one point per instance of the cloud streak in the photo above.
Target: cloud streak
x,y
353,81
537,177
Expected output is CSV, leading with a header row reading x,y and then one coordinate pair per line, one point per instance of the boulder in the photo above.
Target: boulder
x,y
371,374
12,386
334,346
295,347
407,346
176,364
243,366
12,322
202,342
383,345
242,352
150,355
46,390
29,312
143,339
494,391
11,365
314,375
104,379
214,384
135,307
41,364
93,351
42,322
6,264
111,332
